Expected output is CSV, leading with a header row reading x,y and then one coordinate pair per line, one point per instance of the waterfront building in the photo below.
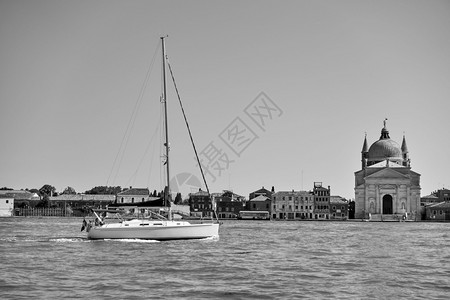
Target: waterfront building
x,y
429,199
229,204
6,206
386,187
260,203
201,204
442,194
21,198
339,208
78,205
438,212
321,201
292,205
261,192
134,195
428,204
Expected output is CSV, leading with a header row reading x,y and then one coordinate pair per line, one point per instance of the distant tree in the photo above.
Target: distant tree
x,y
104,190
6,189
351,209
24,204
178,199
69,191
47,190
44,202
228,194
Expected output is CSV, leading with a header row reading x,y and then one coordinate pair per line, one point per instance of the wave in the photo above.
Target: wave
x,y
67,240
132,240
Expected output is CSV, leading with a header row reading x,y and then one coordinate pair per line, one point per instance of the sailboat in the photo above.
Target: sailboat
x,y
159,228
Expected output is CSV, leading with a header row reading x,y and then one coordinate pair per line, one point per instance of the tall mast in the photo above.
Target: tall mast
x,y
164,96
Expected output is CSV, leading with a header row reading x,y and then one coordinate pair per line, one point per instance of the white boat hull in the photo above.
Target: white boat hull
x,y
154,230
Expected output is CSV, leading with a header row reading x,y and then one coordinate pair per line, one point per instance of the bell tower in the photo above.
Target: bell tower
x,y
405,153
364,153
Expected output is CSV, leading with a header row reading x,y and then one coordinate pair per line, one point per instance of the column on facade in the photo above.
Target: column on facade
x,y
409,202
379,200
366,201
396,199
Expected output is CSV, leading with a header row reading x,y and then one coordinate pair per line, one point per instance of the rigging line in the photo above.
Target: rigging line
x,y
124,142
187,124
134,176
137,105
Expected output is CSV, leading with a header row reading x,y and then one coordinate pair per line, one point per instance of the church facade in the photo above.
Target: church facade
x,y
386,188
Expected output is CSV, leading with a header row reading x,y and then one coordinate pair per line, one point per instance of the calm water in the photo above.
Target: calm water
x,y
51,259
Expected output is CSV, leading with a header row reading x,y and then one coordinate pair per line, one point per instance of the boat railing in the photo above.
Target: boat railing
x,y
156,215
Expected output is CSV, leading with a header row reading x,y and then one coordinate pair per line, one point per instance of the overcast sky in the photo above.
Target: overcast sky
x,y
72,72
